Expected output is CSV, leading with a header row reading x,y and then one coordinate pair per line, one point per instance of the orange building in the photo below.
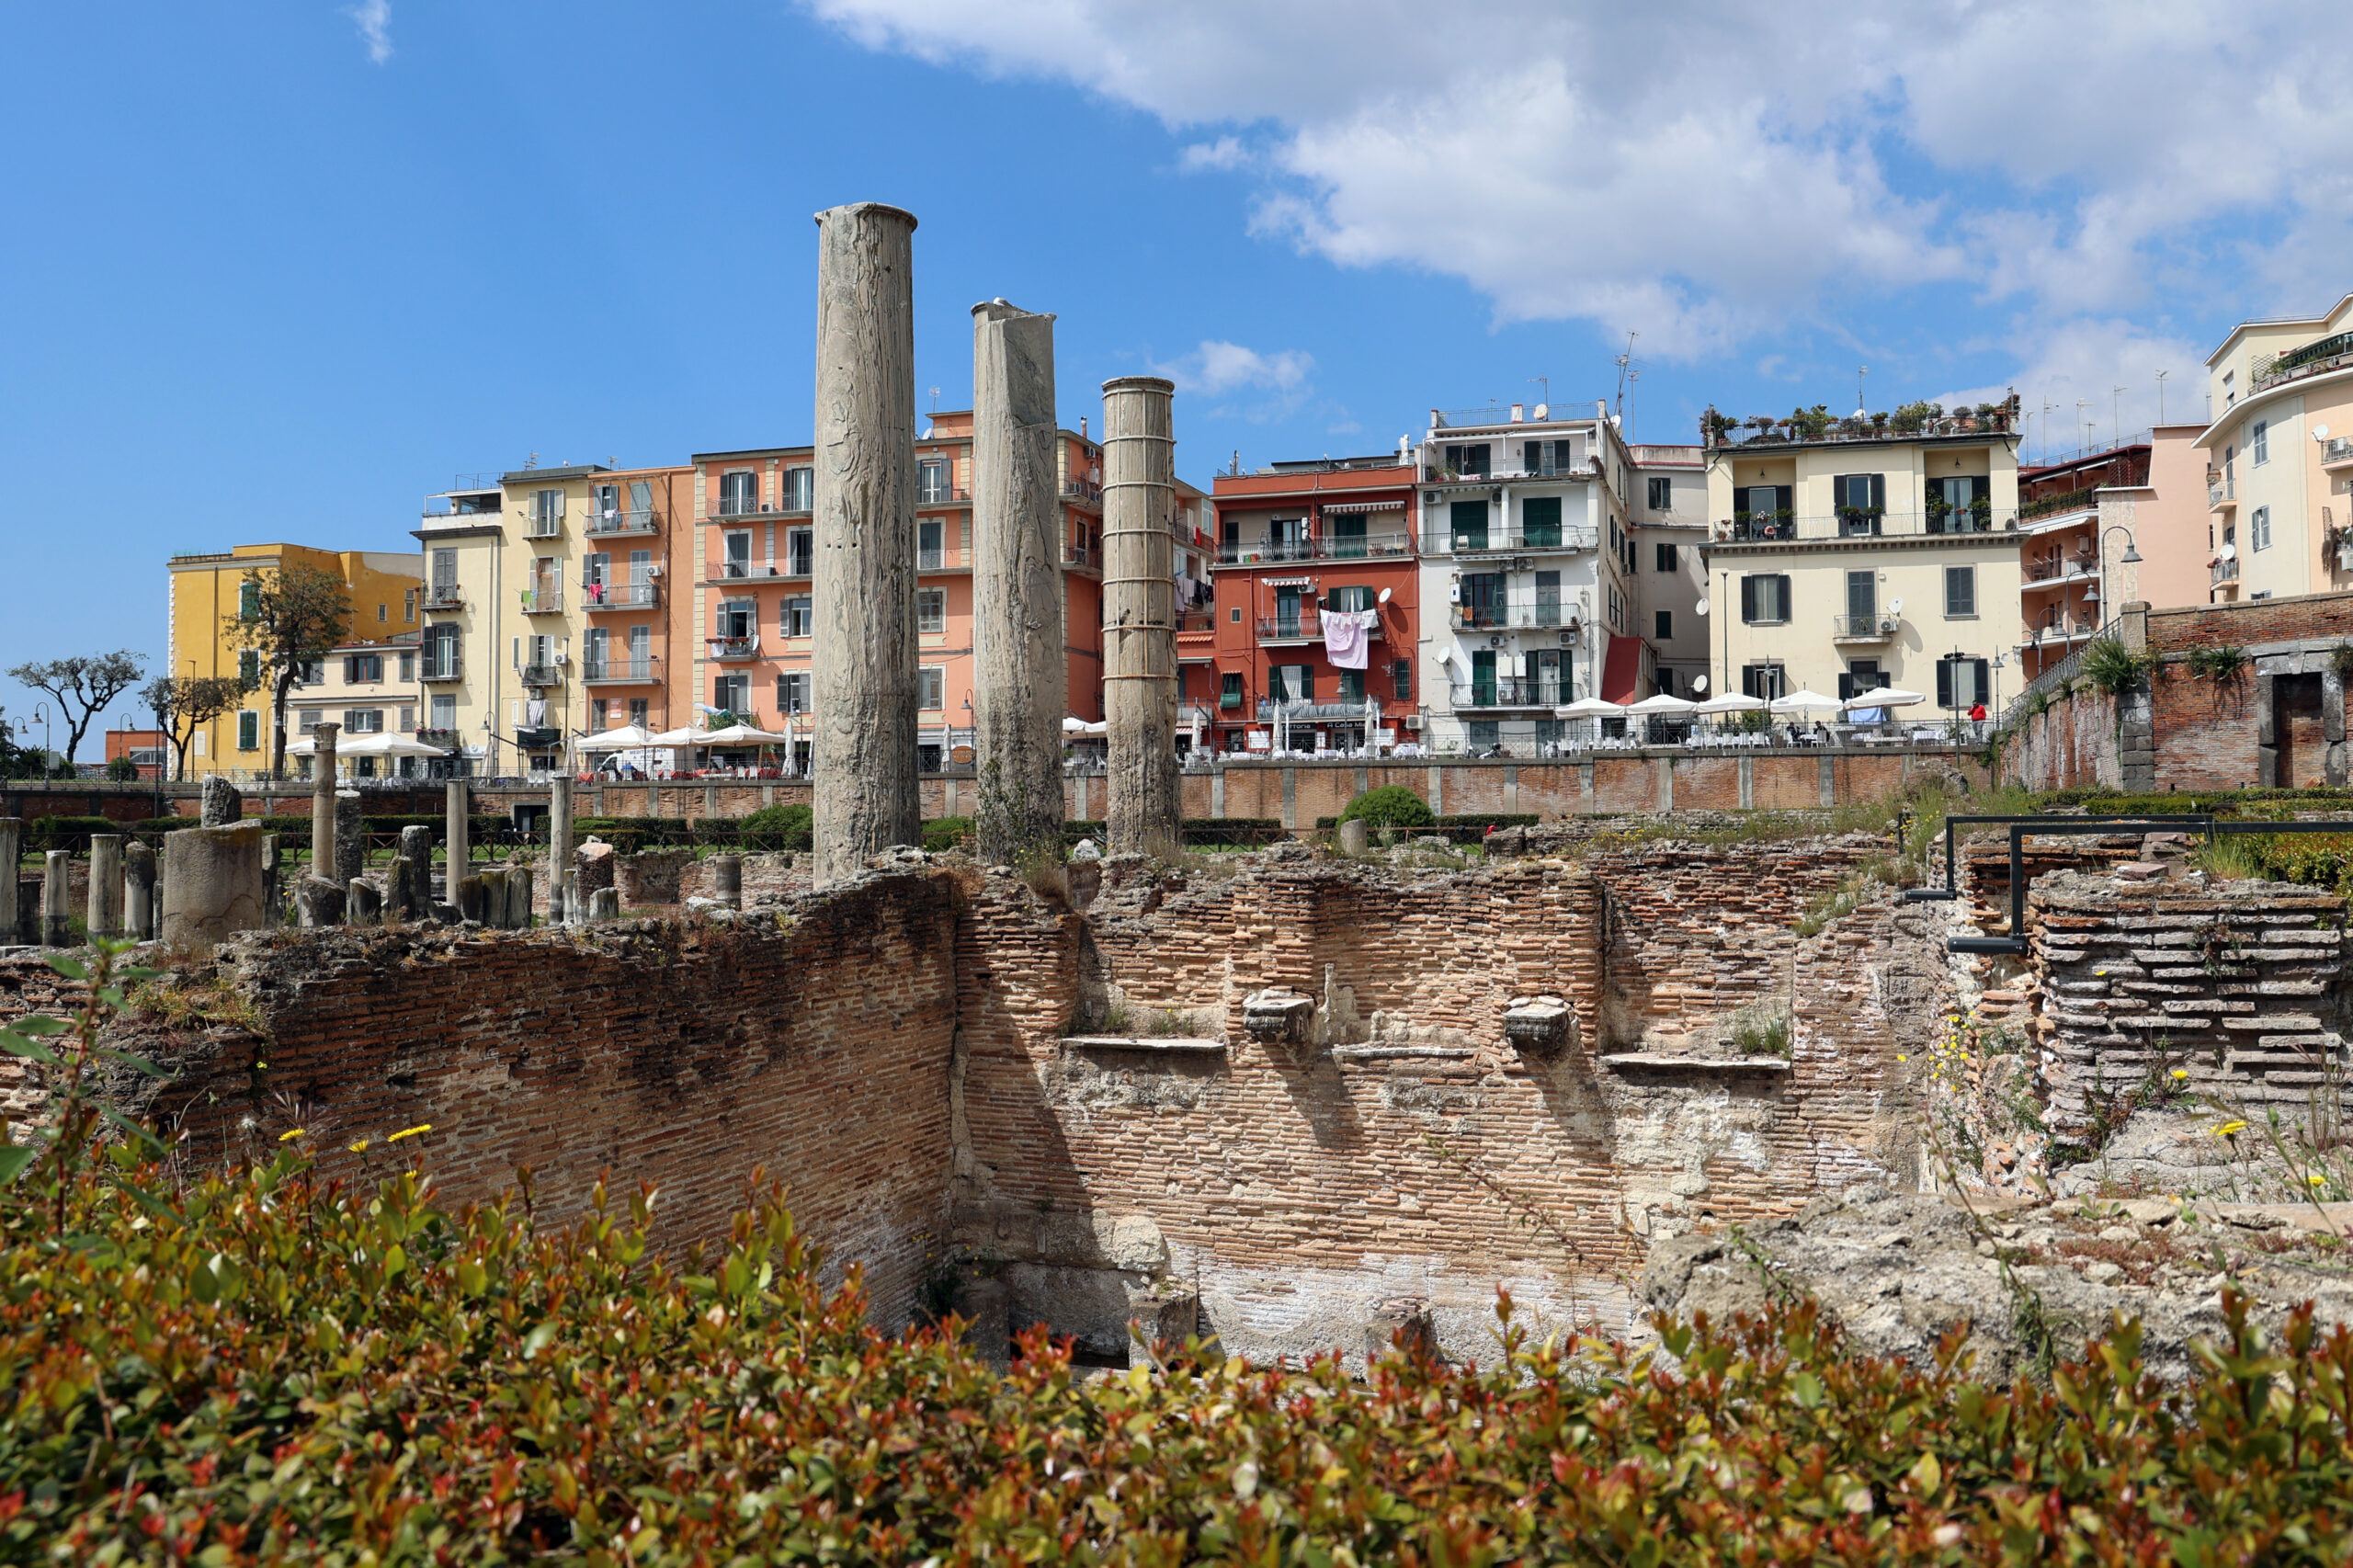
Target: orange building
x,y
1294,542
741,622
2064,509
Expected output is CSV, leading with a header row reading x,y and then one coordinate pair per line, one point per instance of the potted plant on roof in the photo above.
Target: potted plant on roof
x,y
1879,423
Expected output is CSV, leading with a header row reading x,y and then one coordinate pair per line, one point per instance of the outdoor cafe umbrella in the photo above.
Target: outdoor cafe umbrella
x,y
1885,696
1805,701
383,744
1074,725
1665,705
738,735
629,737
1590,708
1730,702
686,735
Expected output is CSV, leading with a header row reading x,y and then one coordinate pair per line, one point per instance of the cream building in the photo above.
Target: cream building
x,y
368,688
2280,457
1852,553
464,536
1670,517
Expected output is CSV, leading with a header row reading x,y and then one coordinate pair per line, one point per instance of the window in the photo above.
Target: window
x,y
249,667
2258,528
311,672
931,687
795,616
1959,505
1483,733
595,648
738,545
931,544
1859,498
248,731
738,493
1548,457
1617,607
1236,615
1663,557
408,666
792,692
1400,679
408,719
1351,685
546,512
1540,518
1467,460
799,548
444,712
800,489
441,654
1229,696
1662,496
1961,591
931,482
1862,601
307,719
1961,681
737,618
1548,598
1468,521
363,721
931,609
363,669
1861,675
249,600
383,614
1353,597
445,571
731,694
1767,682
1292,683
1663,624
408,604
1765,599
2258,443
639,709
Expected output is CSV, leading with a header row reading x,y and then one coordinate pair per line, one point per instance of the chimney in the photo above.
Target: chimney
x,y
1517,413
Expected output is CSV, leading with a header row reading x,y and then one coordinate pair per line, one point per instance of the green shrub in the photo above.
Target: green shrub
x,y
70,834
1391,805
781,828
2112,667
2222,666
122,770
296,1362
946,833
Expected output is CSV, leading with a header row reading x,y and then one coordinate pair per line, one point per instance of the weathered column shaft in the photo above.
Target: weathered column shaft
x,y
56,899
212,883
139,890
864,586
12,844
1140,616
323,799
103,916
1020,675
350,837
455,847
560,849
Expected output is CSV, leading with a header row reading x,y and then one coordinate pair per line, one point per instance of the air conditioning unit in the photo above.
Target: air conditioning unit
x,y
1413,722
653,569
562,658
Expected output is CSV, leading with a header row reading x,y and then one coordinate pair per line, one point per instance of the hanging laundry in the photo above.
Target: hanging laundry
x,y
535,712
1345,638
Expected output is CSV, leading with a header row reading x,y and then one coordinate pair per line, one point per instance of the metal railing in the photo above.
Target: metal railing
x,y
1510,542
1082,490
1771,528
1196,620
2338,450
440,669
1513,691
2222,572
735,647
945,495
1540,615
1324,547
596,596
2311,359
546,674
1077,555
737,506
645,520
1878,624
542,601
623,668
444,595
1509,474
2051,570
1306,626
2054,505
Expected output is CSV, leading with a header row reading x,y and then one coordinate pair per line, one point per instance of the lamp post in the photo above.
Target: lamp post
x,y
2132,557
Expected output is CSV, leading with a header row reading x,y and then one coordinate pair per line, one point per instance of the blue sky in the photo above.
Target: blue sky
x,y
280,271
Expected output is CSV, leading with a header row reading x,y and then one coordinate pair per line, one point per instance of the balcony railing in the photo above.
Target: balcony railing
x,y
645,520
1307,626
1510,542
2224,572
444,595
543,524
441,669
1542,615
735,647
1078,555
940,495
545,673
543,601
738,506
1507,473
1512,691
1324,547
1874,627
744,571
2052,506
2222,489
1196,621
1785,528
447,740
2051,570
1082,490
1307,711
621,669
595,596
2311,359
2339,450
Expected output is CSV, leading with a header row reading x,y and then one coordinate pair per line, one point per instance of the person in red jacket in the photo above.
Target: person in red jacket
x,y
1977,719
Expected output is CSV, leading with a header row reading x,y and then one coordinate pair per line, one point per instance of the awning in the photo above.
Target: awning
x,y
1622,672
1287,582
1330,508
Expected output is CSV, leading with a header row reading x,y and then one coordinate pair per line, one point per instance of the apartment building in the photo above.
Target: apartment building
x,y
206,591
1528,564
2075,532
1669,513
1849,553
464,532
2280,456
368,686
1298,543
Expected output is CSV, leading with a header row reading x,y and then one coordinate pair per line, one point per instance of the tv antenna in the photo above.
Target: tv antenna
x,y
1627,372
1860,371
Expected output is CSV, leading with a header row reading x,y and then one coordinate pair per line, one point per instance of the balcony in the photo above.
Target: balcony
x,y
2053,570
1196,622
1510,541
543,601
2056,629
940,495
1308,712
2337,452
1855,523
730,648
1512,691
613,524
545,673
1080,556
1307,626
543,524
2224,572
447,740
1877,627
744,571
2066,501
431,669
2312,359
595,597
1083,492
444,595
621,670
1537,615
2221,491
739,506
1324,547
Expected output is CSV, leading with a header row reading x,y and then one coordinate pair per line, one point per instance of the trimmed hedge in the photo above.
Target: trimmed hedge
x,y
1391,805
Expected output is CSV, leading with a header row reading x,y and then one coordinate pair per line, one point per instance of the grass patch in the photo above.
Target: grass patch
x,y
1761,1029
183,1002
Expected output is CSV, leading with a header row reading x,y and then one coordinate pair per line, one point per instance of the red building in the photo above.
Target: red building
x,y
145,748
1295,542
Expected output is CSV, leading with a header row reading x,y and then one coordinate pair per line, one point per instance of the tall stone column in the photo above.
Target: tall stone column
x,y
322,861
12,844
56,899
865,582
103,916
139,891
456,850
560,849
1140,616
1021,676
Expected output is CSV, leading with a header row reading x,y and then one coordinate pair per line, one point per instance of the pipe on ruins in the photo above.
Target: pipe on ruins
x,y
864,583
1139,615
1020,675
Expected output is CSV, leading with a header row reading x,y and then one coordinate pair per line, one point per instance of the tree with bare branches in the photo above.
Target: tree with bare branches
x,y
83,687
289,618
183,704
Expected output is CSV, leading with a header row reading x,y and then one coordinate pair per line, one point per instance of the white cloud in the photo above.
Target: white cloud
x,y
375,19
1217,369
2085,382
1707,171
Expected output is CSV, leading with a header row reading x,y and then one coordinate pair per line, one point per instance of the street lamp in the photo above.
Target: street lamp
x,y
2132,557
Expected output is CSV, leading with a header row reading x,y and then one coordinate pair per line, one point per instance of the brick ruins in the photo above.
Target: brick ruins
x,y
1289,1097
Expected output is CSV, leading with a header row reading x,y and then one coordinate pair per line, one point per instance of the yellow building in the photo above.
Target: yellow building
x,y
2280,457
386,589
1845,554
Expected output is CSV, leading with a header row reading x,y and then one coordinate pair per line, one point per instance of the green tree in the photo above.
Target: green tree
x,y
83,687
288,618
183,704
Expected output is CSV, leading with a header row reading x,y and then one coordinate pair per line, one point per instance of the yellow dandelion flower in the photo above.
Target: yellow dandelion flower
x,y
290,1133
1902,1058
2181,1071
410,1132
359,1148
2230,1128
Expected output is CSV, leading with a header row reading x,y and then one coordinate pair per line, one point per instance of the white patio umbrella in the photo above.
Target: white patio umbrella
x,y
1885,696
1731,702
739,735
1590,708
1074,725
1805,701
686,735
629,737
1664,706
385,744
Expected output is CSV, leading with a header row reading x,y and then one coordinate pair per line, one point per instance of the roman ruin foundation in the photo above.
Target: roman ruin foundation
x,y
1139,615
864,587
1021,676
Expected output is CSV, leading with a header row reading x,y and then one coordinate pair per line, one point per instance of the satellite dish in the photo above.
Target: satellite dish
x,y
1384,595
1699,683
1700,608
2230,551
1895,606
2320,432
1543,410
